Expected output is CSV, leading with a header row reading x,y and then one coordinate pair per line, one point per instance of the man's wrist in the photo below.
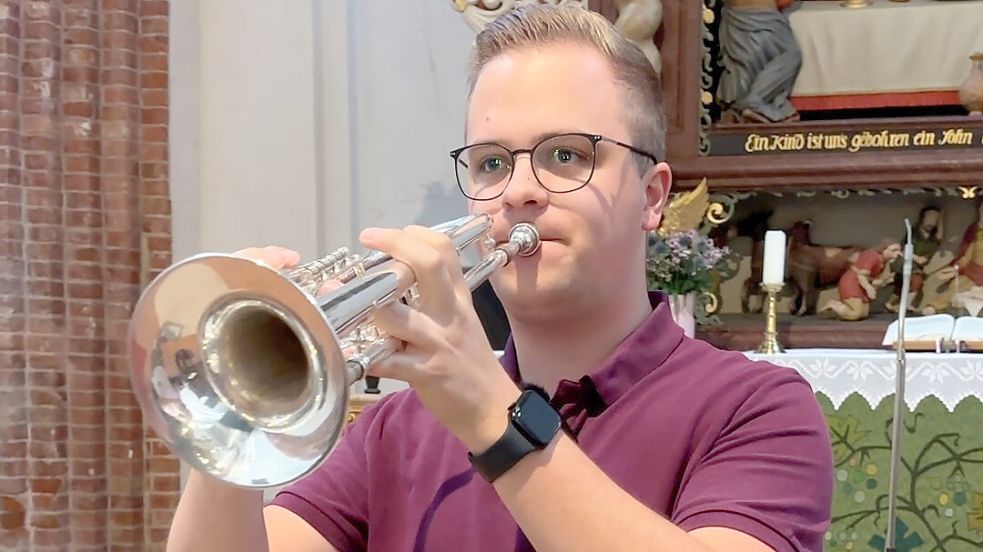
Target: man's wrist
x,y
491,425
532,424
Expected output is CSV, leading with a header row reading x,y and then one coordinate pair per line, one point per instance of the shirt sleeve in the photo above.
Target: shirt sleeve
x,y
769,473
871,262
334,498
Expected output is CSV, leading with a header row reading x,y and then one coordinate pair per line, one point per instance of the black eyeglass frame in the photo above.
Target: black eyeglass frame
x,y
594,139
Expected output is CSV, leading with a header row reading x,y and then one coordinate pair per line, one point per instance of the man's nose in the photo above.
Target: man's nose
x,y
524,188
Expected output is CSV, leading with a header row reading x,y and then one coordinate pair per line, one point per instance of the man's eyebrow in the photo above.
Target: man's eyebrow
x,y
535,139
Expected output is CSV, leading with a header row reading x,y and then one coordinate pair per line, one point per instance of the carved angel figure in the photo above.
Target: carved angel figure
x,y
638,20
686,210
479,13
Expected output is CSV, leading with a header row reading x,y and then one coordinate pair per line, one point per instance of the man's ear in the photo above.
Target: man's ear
x,y
656,182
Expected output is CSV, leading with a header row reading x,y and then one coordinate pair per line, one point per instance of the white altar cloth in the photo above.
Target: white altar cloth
x,y
838,373
888,47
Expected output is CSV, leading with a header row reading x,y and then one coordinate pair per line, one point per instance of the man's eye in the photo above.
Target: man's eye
x,y
492,164
566,156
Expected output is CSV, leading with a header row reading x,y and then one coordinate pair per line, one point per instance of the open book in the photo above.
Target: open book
x,y
938,332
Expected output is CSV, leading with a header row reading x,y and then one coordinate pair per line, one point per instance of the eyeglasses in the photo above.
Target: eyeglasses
x,y
561,164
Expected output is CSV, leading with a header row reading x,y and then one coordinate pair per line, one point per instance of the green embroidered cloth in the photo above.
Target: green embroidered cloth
x,y
940,489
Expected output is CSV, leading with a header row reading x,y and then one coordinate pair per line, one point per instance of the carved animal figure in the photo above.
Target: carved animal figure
x,y
813,267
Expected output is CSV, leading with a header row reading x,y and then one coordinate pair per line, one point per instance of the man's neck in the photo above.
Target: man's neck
x,y
549,351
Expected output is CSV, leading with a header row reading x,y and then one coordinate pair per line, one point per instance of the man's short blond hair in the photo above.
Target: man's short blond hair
x,y
537,25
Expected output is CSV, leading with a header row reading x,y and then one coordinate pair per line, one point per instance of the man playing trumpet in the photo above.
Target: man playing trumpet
x,y
607,429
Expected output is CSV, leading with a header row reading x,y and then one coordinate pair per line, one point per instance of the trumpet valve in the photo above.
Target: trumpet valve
x,y
313,275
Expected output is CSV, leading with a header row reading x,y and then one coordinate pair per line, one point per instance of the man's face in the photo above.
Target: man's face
x,y
892,252
930,221
594,236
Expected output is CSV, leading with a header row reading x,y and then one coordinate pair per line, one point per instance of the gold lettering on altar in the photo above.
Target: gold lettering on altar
x,y
882,139
775,142
957,137
925,138
858,141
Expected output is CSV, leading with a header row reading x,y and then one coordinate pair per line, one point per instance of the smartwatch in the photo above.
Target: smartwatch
x,y
532,425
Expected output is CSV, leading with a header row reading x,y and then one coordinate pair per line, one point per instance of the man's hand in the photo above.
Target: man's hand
x,y
947,273
272,256
446,358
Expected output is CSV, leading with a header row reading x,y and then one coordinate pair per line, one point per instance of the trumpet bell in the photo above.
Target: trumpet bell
x,y
245,371
235,366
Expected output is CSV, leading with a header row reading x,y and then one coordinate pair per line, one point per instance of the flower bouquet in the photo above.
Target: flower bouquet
x,y
682,264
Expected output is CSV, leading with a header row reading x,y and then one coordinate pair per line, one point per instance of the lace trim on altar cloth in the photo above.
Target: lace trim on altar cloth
x,y
839,373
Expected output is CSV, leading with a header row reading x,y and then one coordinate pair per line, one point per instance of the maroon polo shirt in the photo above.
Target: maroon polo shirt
x,y
702,436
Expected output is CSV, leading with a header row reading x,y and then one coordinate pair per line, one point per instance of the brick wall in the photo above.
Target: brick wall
x,y
84,221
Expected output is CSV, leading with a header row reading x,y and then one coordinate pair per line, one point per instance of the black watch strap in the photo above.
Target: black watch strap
x,y
533,424
511,447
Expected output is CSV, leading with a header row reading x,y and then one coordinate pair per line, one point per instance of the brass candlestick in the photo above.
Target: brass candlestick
x,y
770,344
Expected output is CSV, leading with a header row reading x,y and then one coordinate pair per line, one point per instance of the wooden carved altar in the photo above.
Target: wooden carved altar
x,y
844,173
875,167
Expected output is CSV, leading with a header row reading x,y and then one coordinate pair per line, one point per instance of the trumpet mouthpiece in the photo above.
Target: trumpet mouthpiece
x,y
527,237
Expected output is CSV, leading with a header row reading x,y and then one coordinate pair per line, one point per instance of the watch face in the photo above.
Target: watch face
x,y
536,418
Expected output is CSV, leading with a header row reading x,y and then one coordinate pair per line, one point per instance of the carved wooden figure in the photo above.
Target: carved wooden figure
x,y
761,60
812,267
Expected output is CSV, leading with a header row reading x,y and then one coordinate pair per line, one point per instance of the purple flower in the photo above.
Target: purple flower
x,y
681,262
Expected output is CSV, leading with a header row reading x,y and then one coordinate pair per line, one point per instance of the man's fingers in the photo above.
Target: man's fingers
x,y
405,324
427,262
443,245
273,256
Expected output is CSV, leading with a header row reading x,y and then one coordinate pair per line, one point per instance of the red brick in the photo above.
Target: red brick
x,y
14,467
154,116
54,433
153,133
11,377
154,25
82,55
80,75
81,163
49,469
44,269
92,536
153,7
116,93
13,514
83,34
81,182
153,97
83,432
83,136
46,233
47,379
79,16
78,109
153,79
123,19
120,39
85,399
52,537
128,6
49,485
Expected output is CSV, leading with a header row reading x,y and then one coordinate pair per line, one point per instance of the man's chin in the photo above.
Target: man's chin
x,y
539,292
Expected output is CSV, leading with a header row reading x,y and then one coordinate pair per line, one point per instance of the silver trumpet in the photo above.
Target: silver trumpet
x,y
245,371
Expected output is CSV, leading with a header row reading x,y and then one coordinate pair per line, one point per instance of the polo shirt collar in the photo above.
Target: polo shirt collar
x,y
644,350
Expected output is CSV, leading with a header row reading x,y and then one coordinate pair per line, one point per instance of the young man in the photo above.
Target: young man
x,y
650,441
858,285
926,240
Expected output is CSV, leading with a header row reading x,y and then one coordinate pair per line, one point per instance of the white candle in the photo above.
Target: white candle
x,y
774,263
